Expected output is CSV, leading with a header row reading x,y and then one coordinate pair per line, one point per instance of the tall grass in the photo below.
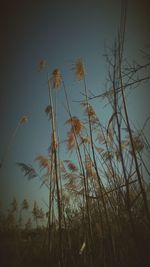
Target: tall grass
x,y
98,209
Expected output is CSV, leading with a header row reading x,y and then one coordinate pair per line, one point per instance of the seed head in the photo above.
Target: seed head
x,y
79,70
48,111
42,65
56,78
72,167
71,142
76,124
23,120
43,161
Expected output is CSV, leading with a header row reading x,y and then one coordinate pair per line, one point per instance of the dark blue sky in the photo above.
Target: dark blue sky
x,y
60,32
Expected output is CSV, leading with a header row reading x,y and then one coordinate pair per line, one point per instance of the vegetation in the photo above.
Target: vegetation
x,y
99,206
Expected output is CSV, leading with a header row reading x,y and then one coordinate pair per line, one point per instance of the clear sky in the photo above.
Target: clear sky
x,y
59,32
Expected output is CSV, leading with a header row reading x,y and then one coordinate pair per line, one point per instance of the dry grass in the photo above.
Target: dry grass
x,y
99,199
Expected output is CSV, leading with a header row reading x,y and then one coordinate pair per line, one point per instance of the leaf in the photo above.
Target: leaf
x,y
111,119
110,130
82,248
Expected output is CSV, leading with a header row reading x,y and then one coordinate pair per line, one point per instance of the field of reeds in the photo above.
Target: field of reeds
x,y
99,198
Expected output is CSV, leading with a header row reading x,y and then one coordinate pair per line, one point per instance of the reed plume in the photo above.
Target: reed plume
x,y
56,79
79,70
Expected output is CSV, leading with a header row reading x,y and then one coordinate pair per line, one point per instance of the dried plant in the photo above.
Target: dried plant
x,y
98,202
71,142
138,144
79,70
42,65
71,166
56,78
28,170
54,143
76,125
44,162
25,204
24,119
48,111
85,140
14,205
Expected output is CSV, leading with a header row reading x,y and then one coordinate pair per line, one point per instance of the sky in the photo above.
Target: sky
x,y
59,32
